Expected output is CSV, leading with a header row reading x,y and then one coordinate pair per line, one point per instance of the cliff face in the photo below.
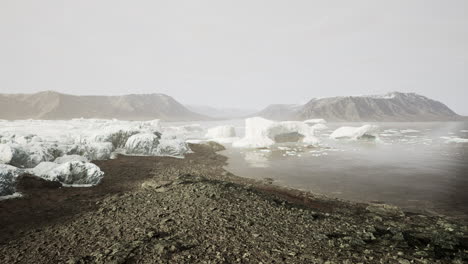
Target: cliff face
x,y
390,107
53,105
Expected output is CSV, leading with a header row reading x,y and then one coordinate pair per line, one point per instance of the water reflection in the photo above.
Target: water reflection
x,y
412,165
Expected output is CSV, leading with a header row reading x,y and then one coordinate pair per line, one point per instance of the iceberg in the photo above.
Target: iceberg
x,y
261,133
221,132
8,175
355,133
73,173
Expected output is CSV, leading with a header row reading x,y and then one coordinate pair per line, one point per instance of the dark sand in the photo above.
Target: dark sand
x,y
168,210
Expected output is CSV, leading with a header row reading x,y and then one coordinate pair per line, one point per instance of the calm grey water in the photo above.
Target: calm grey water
x,y
413,165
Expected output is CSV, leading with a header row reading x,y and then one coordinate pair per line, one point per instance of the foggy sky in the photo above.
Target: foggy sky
x,y
236,53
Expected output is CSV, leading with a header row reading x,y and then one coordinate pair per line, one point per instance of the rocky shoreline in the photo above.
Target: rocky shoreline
x,y
169,210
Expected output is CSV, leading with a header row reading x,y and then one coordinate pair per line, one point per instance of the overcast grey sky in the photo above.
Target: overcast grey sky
x,y
237,53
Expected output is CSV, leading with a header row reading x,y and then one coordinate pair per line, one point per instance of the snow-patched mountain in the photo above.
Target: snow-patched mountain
x,y
51,105
393,106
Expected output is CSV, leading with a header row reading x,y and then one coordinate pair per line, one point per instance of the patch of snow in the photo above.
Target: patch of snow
x,y
355,133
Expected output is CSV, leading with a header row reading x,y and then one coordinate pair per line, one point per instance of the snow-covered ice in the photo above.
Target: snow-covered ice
x,y
355,133
261,133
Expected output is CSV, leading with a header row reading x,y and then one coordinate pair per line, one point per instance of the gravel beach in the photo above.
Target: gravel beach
x,y
170,210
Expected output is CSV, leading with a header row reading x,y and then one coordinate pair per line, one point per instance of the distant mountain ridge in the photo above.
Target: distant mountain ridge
x,y
395,106
220,113
53,106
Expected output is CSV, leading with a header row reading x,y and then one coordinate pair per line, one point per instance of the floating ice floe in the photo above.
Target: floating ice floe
x,y
355,133
8,175
73,173
455,140
260,133
409,131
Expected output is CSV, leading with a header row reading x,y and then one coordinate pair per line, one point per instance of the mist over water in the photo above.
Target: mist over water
x,y
412,165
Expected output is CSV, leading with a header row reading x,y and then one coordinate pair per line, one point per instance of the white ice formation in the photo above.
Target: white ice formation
x,y
262,133
73,173
355,133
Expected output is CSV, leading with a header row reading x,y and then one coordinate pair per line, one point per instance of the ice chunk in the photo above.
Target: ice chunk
x,y
93,150
73,173
409,131
315,121
68,158
8,176
6,153
319,127
221,132
260,132
366,131
455,140
142,144
172,147
29,155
